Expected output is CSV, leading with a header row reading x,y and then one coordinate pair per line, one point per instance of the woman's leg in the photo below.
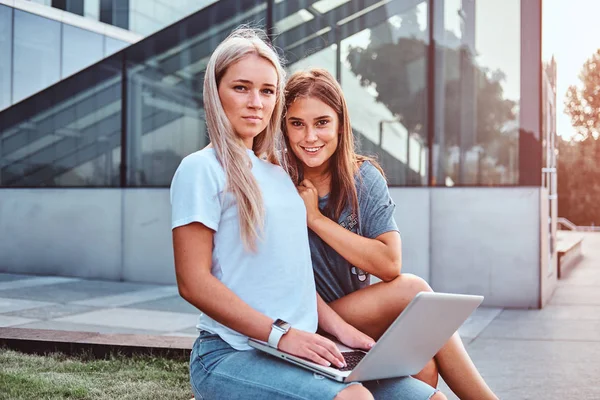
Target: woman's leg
x,y
373,309
406,388
217,371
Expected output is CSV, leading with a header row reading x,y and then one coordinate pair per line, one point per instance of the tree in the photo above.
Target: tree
x,y
579,180
579,158
583,104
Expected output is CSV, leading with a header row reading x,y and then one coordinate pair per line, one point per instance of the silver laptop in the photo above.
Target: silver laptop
x,y
418,333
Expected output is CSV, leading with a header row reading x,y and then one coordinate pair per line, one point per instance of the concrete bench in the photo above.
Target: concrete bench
x,y
569,249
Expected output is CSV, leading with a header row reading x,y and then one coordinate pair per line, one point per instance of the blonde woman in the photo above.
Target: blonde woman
x,y
353,233
241,247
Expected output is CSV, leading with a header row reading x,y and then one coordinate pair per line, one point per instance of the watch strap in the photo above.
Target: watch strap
x,y
275,336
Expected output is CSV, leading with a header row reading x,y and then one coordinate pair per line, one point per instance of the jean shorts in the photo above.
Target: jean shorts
x,y
218,371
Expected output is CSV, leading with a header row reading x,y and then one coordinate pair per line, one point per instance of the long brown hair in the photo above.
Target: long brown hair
x,y
344,163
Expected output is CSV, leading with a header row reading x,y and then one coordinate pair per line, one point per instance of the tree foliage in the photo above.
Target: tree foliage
x,y
579,159
579,181
582,104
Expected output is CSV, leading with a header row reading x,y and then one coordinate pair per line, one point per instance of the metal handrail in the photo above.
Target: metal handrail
x,y
572,227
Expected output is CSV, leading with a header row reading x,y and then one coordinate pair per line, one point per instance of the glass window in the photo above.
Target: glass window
x,y
106,11
383,74
379,57
80,49
115,12
143,24
112,45
91,9
477,92
5,55
36,54
73,138
165,118
121,14
75,7
72,6
148,16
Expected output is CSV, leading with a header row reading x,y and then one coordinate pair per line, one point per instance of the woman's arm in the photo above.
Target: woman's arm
x,y
332,323
192,245
381,256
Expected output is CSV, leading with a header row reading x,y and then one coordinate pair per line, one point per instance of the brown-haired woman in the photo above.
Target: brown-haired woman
x,y
352,229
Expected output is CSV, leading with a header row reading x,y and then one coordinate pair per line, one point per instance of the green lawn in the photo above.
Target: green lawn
x,y
56,376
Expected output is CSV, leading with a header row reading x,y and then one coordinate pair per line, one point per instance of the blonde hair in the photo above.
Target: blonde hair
x,y
320,84
229,147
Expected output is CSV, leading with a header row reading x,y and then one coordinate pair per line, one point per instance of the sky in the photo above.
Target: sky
x,y
571,32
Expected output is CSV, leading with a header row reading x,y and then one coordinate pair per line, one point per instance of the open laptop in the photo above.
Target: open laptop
x,y
418,333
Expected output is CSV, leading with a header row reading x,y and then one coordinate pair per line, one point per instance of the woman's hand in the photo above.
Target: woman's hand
x,y
312,347
353,338
310,196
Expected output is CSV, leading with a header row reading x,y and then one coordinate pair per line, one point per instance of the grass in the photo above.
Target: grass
x,y
56,376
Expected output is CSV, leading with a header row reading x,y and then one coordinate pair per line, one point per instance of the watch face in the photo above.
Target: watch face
x,y
281,324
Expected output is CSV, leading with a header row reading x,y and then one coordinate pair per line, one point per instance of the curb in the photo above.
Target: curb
x,y
98,345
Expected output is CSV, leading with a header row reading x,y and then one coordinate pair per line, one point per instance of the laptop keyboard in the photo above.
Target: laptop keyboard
x,y
352,359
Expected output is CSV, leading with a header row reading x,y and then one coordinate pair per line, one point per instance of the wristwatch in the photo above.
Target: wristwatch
x,y
278,329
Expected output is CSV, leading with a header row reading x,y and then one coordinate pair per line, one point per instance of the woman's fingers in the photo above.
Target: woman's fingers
x,y
316,358
333,349
313,347
328,355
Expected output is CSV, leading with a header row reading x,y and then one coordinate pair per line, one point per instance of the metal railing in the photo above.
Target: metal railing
x,y
572,227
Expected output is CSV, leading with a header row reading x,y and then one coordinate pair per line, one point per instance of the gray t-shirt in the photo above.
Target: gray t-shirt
x,y
335,277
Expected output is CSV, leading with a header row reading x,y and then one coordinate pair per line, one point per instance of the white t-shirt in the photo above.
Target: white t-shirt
x,y
278,279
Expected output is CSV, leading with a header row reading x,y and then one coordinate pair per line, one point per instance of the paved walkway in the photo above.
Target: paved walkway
x,y
552,353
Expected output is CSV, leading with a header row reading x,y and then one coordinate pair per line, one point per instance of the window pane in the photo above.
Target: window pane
x,y
113,45
148,16
75,6
5,55
36,54
91,9
378,54
73,137
106,11
478,70
383,74
121,14
165,120
80,48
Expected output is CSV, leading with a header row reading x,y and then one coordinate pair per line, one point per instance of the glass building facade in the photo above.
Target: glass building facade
x,y
36,52
141,16
438,90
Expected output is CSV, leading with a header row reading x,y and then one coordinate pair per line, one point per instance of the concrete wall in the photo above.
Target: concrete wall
x,y
74,232
148,255
465,240
412,216
487,241
108,234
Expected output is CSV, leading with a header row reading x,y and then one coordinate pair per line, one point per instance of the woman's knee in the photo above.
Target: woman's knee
x,y
439,396
410,283
354,392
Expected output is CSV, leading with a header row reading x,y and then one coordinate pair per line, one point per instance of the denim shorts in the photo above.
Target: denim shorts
x,y
218,371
